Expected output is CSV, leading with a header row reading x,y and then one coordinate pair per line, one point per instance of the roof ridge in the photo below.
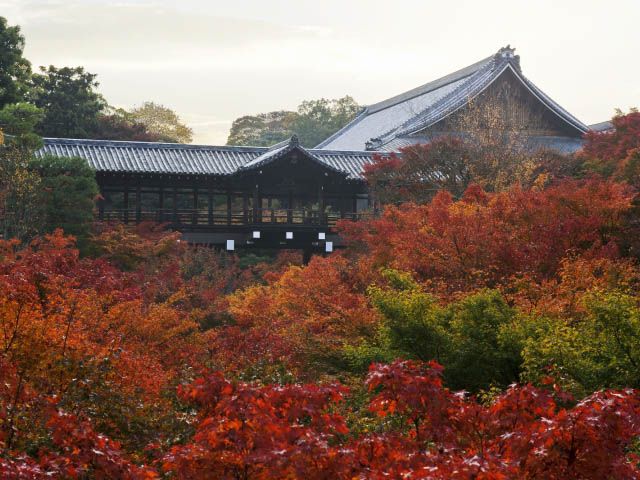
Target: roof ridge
x,y
274,154
428,87
501,63
440,82
492,66
139,144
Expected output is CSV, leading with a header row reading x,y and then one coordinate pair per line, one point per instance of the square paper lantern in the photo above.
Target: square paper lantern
x,y
328,247
231,244
256,234
321,236
289,236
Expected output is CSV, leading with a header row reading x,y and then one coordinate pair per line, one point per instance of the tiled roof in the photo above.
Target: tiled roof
x,y
420,108
602,126
173,158
280,150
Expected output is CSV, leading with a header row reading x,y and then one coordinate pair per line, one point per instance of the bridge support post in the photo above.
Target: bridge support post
x,y
307,253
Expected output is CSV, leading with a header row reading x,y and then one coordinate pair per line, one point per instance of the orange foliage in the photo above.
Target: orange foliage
x,y
486,238
80,330
304,317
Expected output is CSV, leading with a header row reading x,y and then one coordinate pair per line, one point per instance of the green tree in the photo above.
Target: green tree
x,y
19,120
477,339
119,124
21,212
600,350
262,130
162,122
70,103
314,121
70,189
318,119
482,352
415,324
15,70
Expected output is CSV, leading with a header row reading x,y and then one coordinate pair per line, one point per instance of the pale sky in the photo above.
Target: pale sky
x,y
215,60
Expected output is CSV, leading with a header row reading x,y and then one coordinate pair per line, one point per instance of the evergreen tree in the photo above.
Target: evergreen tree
x,y
68,97
15,70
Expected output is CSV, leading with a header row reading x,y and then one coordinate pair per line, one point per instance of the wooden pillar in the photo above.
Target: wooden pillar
x,y
194,216
161,204
354,207
126,204
342,201
229,202
290,207
138,202
256,194
210,205
174,194
245,208
272,212
306,256
321,215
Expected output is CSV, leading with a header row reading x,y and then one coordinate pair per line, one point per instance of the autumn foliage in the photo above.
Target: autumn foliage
x,y
293,432
481,335
484,238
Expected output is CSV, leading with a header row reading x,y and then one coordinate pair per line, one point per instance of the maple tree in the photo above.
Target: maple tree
x,y
419,171
613,152
301,320
486,238
81,330
247,431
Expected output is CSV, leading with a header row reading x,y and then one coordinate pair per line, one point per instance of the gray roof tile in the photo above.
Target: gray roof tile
x,y
172,158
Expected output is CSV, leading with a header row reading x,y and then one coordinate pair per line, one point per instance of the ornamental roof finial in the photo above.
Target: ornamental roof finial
x,y
508,53
294,140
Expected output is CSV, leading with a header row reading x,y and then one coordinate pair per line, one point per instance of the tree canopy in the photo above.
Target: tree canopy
x,y
69,100
314,121
161,122
15,70
69,190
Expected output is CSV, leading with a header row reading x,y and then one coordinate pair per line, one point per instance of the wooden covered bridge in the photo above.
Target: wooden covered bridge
x,y
285,196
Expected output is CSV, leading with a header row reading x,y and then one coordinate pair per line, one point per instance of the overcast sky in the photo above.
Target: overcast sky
x,y
215,60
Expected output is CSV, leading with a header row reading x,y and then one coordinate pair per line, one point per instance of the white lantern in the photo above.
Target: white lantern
x,y
231,244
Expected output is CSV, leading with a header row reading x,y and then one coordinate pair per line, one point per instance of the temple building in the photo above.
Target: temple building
x,y
494,85
288,196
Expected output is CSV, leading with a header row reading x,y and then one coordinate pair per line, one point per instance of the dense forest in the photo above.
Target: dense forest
x,y
477,328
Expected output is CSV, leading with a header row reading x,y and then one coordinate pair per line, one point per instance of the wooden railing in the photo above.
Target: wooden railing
x,y
204,218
